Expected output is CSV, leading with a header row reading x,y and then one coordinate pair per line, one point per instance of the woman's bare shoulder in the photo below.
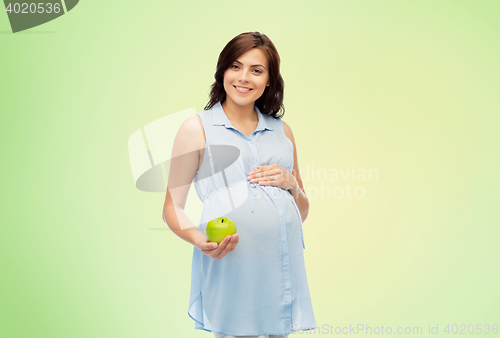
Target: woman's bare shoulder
x,y
288,132
192,129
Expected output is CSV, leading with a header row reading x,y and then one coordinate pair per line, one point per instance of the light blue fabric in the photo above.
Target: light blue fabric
x,y
260,288
218,335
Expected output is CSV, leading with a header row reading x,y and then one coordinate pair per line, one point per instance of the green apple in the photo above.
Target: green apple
x,y
220,228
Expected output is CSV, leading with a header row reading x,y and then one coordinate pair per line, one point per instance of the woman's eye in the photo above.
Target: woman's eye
x,y
235,67
257,71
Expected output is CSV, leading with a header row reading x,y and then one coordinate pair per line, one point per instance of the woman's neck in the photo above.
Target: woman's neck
x,y
239,113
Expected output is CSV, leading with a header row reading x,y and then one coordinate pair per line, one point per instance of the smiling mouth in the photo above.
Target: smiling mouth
x,y
243,89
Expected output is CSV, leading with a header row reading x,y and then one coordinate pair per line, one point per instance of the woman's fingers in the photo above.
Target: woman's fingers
x,y
232,244
208,246
223,244
226,246
221,250
271,172
264,176
209,249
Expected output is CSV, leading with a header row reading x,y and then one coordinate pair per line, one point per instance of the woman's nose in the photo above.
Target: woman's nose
x,y
244,76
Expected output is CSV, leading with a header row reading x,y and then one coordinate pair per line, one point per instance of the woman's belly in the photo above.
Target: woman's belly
x,y
269,248
259,219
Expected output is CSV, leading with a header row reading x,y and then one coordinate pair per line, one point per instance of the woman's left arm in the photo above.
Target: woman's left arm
x,y
297,191
283,179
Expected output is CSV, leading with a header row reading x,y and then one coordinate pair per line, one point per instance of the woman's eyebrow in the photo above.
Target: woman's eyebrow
x,y
251,65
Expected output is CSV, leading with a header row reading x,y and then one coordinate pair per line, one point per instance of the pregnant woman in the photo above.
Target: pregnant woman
x,y
243,160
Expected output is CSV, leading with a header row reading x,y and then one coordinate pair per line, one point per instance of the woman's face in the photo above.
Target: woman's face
x,y
246,79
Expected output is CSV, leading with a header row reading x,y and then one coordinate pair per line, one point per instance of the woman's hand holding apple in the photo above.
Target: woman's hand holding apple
x,y
218,251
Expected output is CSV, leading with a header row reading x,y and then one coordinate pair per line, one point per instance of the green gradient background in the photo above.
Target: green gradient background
x,y
409,88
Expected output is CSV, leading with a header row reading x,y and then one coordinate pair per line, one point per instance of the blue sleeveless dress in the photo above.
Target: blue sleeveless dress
x,y
261,286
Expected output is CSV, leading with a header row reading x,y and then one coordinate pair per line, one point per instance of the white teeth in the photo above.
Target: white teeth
x,y
241,88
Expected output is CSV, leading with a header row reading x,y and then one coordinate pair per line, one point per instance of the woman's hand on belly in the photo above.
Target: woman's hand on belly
x,y
274,175
218,251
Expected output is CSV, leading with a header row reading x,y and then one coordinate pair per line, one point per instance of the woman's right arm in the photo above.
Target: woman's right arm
x,y
184,163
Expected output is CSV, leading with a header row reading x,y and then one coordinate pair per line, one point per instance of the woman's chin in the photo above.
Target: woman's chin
x,y
245,102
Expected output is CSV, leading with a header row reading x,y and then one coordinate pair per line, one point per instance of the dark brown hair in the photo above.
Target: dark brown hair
x,y
271,101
